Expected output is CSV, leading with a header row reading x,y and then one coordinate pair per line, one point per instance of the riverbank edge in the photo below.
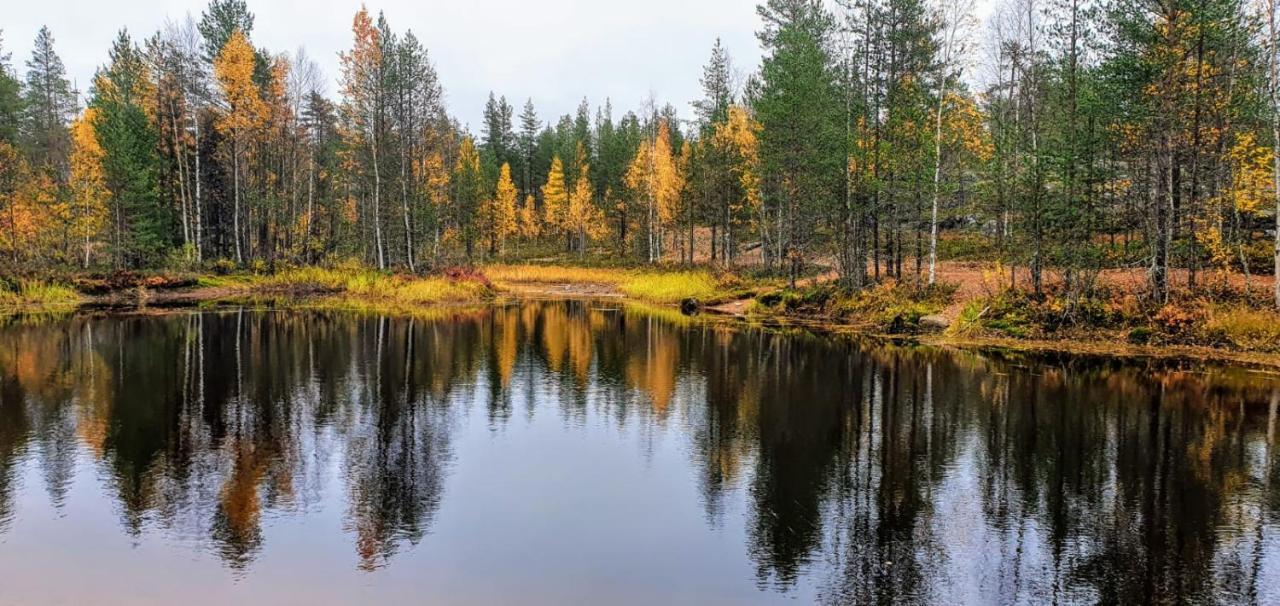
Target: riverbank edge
x,y
212,292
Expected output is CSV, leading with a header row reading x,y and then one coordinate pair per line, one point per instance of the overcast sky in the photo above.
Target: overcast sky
x,y
555,51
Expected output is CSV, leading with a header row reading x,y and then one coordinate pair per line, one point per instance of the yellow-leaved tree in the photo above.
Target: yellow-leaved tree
x,y
555,197
503,212
87,182
243,115
436,180
530,225
1251,188
655,177
29,200
583,220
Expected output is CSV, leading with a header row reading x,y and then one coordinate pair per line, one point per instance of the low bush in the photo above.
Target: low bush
x,y
19,293
1243,328
654,286
672,287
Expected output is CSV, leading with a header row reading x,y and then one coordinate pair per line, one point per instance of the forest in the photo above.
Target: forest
x,y
877,139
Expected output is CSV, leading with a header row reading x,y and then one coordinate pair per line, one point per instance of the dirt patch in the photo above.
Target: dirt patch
x,y
580,290
731,308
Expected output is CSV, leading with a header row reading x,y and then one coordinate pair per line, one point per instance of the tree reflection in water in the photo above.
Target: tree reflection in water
x,y
869,472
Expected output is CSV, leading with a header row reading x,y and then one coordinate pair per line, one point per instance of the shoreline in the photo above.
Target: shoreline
x,y
212,297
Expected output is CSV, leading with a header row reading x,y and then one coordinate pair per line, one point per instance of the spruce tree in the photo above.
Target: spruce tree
x,y
50,105
10,99
143,228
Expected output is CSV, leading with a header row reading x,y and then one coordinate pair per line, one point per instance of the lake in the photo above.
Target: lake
x,y
574,452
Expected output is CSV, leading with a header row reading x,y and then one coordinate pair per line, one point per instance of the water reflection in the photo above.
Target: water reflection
x,y
863,473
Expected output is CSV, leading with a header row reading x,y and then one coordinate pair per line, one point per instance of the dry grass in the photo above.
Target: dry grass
x,y
654,286
1244,328
27,294
673,287
557,274
357,285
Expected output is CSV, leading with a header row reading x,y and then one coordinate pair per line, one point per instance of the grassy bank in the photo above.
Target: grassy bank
x,y
665,287
352,287
1232,322
1190,324
37,295
347,287
1224,320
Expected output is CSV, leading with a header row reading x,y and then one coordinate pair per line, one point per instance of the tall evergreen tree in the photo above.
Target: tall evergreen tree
x,y
801,144
50,105
142,226
10,99
221,19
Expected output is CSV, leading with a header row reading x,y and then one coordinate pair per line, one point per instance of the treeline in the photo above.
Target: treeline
x,y
1104,133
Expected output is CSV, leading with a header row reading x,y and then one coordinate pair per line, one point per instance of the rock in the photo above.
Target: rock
x,y
690,306
934,323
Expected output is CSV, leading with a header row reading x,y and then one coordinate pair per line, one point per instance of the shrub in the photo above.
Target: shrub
x,y
672,287
1177,319
1244,328
1140,335
37,293
223,267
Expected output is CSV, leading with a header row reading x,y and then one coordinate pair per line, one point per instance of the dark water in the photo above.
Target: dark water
x,y
559,452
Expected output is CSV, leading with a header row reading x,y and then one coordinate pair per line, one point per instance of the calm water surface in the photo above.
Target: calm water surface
x,y
574,452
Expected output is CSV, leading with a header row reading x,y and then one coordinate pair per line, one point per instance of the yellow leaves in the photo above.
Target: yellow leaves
x,y
277,101
468,157
1251,178
655,175
1250,190
29,206
233,69
87,182
582,216
435,177
530,225
963,127
555,198
740,133
361,70
502,211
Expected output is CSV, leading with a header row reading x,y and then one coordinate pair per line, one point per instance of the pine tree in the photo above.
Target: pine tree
x,y
220,20
10,99
50,104
142,227
717,89
801,144
498,138
469,192
528,143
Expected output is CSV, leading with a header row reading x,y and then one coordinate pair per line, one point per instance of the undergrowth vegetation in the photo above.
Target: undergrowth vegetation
x,y
21,293
654,286
1214,319
367,285
889,306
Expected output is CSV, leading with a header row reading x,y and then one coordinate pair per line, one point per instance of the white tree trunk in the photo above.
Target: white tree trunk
x,y
377,206
235,211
